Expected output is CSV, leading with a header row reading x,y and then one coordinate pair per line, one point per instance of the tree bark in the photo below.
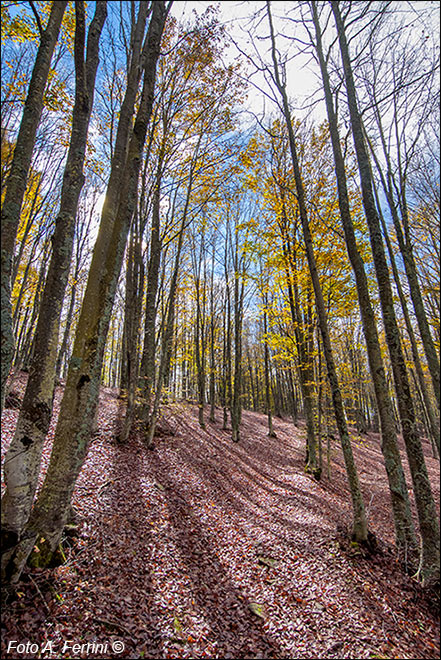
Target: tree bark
x,y
17,179
427,515
78,406
22,460
404,530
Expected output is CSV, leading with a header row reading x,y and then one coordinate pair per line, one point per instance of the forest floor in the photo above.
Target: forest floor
x,y
207,549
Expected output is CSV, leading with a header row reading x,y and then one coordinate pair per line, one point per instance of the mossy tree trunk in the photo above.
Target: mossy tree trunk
x,y
22,461
78,406
427,515
404,530
17,179
360,530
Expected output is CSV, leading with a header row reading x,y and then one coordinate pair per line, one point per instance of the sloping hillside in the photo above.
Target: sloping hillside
x,y
205,548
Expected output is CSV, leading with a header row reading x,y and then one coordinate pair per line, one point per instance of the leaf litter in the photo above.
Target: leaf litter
x,y
208,549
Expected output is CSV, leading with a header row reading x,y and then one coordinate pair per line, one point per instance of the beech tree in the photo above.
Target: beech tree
x,y
22,462
360,531
423,493
17,178
78,407
405,535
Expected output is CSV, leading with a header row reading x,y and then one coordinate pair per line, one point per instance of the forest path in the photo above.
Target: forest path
x,y
205,548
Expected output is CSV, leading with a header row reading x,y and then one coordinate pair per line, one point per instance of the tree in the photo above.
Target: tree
x,y
405,536
360,530
17,178
423,493
22,463
79,402
409,77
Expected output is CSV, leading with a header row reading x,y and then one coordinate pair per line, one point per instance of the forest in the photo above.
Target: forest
x,y
220,329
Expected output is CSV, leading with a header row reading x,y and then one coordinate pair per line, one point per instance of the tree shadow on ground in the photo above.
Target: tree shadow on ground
x,y
237,632
123,567
242,477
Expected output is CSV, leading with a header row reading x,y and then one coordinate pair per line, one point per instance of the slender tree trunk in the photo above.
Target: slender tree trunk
x,y
304,356
404,530
423,494
69,318
33,211
153,416
236,399
23,352
79,403
227,360
23,288
360,530
168,331
147,371
22,461
319,402
292,398
132,320
199,347
199,338
17,179
212,389
271,433
252,385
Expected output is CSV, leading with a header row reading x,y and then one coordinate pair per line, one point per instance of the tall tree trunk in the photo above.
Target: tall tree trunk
x,y
271,433
150,417
236,398
17,179
168,332
304,356
427,515
405,245
360,530
132,320
147,370
227,360
78,406
432,417
212,389
22,461
199,333
404,530
292,398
